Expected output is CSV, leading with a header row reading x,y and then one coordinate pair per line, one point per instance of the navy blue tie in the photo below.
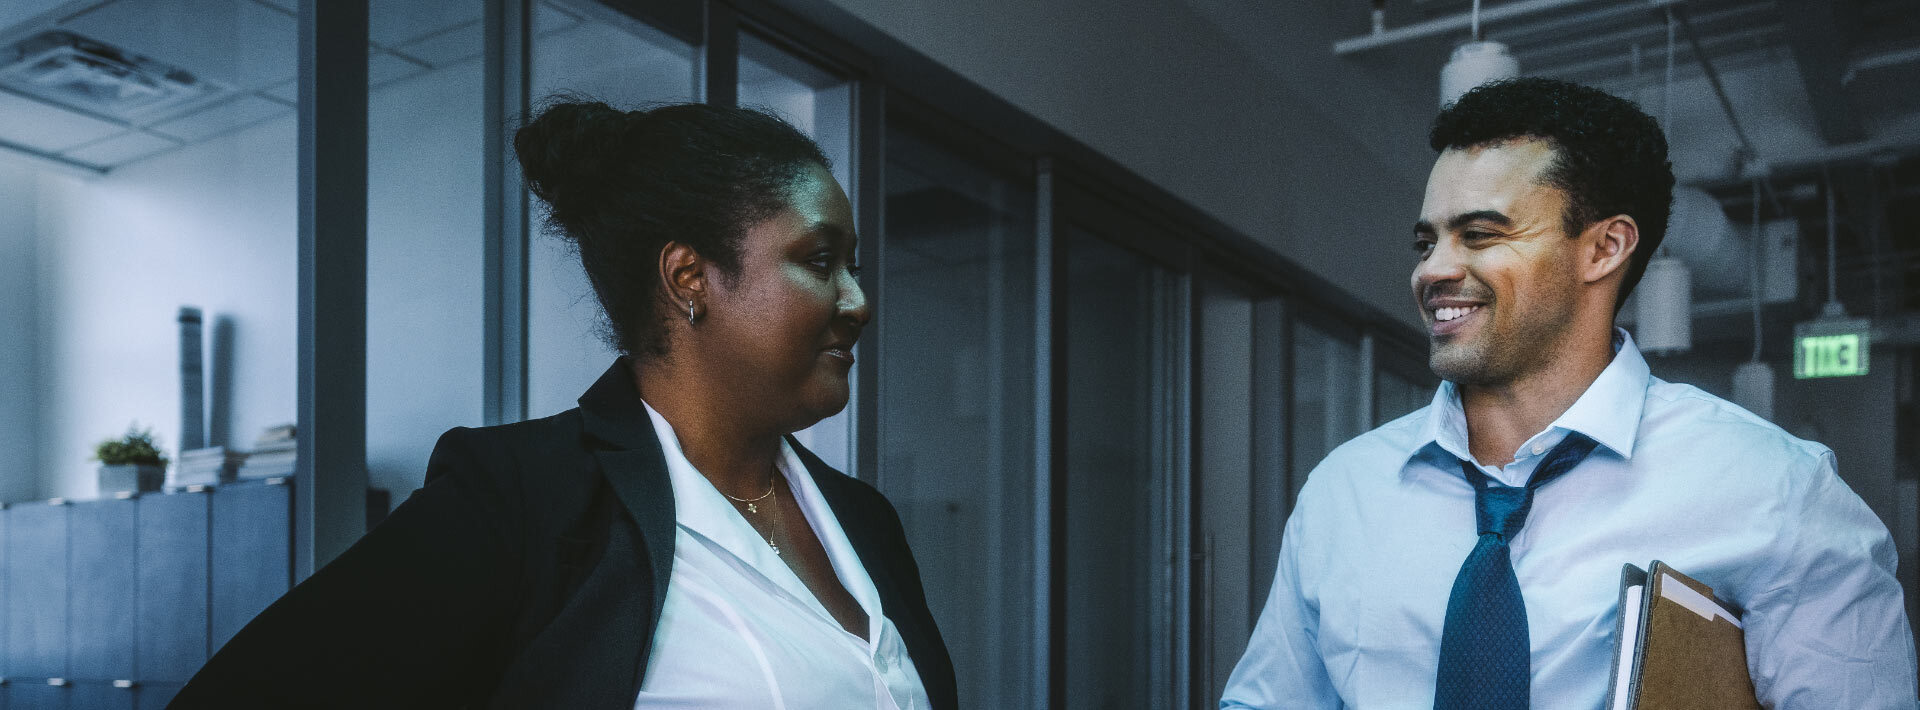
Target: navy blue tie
x,y
1484,647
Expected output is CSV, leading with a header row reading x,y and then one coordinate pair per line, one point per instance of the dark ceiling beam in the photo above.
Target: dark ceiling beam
x,y
1822,42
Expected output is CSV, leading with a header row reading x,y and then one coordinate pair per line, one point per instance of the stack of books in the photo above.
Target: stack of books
x,y
213,464
273,453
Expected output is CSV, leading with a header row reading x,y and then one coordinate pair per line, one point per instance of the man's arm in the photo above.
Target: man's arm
x,y
1832,631
1282,666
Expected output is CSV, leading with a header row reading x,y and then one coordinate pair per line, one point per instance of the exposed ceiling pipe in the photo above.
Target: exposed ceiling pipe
x,y
1753,271
1880,61
1463,21
1891,145
1833,308
1700,57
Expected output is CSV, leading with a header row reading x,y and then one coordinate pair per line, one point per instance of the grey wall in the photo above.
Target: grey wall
x,y
19,325
1236,106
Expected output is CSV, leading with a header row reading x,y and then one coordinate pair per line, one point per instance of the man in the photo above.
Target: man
x,y
1468,555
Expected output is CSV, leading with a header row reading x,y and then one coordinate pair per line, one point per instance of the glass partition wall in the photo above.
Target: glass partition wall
x,y
1126,482
588,50
954,298
150,245
1092,429
819,102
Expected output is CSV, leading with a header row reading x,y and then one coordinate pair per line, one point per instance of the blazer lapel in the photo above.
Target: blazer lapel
x,y
634,467
593,654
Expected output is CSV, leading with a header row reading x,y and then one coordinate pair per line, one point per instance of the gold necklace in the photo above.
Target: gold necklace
x,y
751,507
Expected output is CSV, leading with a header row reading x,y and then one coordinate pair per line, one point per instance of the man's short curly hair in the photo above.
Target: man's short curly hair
x,y
1610,157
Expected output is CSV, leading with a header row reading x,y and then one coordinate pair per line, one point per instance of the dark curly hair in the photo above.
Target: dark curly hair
x,y
1609,156
620,185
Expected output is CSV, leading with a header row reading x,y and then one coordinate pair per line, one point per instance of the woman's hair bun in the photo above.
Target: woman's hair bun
x,y
621,185
564,152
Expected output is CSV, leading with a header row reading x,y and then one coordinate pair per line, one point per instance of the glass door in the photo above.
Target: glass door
x,y
955,309
586,49
819,102
1124,491
1236,464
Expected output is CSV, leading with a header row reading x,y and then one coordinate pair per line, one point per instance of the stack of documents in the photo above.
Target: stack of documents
x,y
213,464
1680,647
273,454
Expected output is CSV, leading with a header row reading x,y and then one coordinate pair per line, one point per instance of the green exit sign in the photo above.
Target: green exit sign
x,y
1831,348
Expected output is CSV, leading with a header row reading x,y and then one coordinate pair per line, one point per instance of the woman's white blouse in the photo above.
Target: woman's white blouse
x,y
739,629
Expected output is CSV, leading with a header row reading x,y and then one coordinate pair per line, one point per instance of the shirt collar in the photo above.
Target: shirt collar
x,y
701,509
1608,411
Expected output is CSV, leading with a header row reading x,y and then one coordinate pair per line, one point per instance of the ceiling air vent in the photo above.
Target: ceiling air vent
x,y
68,69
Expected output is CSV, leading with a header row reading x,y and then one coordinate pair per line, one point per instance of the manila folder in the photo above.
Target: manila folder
x,y
1690,653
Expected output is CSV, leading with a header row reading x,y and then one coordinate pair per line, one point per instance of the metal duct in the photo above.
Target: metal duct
x,y
1700,234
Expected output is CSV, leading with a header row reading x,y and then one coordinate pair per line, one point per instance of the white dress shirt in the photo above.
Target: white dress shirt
x,y
1382,526
738,629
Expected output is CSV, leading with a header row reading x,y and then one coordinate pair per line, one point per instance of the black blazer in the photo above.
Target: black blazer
x,y
529,572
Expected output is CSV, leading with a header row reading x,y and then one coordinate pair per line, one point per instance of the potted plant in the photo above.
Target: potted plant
x,y
130,463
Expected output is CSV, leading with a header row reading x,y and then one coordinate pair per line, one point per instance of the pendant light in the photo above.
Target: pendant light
x,y
1753,379
1663,302
1474,63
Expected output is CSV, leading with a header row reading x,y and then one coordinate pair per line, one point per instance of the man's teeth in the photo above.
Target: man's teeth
x,y
1446,314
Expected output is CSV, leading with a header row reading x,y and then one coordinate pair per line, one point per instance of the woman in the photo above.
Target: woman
x,y
666,544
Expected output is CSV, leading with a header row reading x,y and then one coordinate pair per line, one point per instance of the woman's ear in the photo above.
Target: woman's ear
x,y
1611,243
683,276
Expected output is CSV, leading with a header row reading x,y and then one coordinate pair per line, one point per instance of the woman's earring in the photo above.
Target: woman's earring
x,y
689,311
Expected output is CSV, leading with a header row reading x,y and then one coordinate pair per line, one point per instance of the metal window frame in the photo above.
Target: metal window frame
x,y
508,85
331,465
1049,444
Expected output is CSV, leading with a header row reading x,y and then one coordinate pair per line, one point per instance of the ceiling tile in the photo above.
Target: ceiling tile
x,y
120,150
458,44
395,22
218,119
235,42
288,91
384,68
547,18
14,12
47,128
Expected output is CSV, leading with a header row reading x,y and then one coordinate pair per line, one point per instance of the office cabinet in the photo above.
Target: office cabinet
x,y
155,696
35,695
101,568
36,600
252,546
6,643
171,635
98,695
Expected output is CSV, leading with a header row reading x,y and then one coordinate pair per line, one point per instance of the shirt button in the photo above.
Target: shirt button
x,y
1539,449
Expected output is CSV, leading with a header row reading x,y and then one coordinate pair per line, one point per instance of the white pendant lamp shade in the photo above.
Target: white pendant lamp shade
x,y
1753,388
1473,64
1663,307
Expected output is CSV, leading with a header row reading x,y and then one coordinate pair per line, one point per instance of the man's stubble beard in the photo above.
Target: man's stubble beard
x,y
1496,358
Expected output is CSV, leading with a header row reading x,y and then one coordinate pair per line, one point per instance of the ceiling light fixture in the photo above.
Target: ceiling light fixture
x,y
1474,63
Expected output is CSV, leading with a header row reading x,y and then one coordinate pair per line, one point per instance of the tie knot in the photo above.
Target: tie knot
x,y
1502,510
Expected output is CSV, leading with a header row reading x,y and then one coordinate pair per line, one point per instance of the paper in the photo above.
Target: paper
x,y
1696,602
1629,635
